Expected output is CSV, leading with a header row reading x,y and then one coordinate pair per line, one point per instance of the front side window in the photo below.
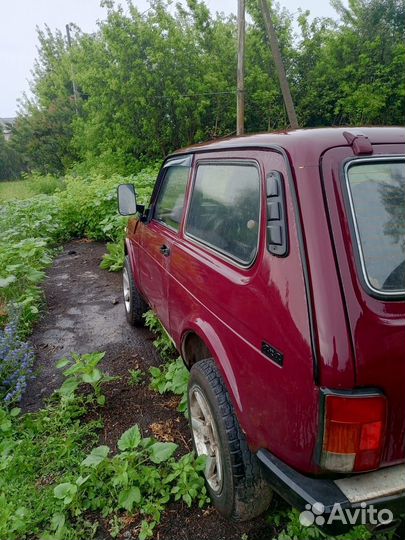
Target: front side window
x,y
225,209
377,198
170,201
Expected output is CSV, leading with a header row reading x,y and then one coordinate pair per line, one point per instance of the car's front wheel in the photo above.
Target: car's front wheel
x,y
135,305
233,474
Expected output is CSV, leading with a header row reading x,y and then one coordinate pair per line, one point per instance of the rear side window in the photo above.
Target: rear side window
x,y
377,198
225,209
170,201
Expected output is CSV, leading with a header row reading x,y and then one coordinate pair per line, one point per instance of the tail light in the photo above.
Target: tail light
x,y
354,429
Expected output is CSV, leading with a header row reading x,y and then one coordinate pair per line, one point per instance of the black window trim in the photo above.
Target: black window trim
x,y
360,262
213,249
184,161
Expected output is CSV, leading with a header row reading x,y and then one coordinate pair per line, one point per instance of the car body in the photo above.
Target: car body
x,y
281,256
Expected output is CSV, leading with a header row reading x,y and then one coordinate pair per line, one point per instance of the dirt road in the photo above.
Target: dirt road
x,y
85,313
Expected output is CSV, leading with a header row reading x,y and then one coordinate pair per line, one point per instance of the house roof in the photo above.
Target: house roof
x,y
7,123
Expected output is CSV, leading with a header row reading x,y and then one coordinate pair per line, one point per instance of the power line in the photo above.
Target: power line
x,y
196,95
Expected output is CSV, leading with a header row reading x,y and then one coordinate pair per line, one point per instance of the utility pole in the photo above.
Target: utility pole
x,y
285,89
75,94
240,98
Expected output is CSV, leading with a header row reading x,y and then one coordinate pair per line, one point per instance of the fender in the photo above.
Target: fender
x,y
210,337
130,251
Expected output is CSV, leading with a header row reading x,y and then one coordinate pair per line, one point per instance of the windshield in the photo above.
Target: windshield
x,y
377,198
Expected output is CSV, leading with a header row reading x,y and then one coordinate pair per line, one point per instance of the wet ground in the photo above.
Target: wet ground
x,y
85,313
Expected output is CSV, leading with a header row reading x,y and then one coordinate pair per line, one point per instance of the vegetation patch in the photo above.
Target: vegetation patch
x,y
57,485
30,231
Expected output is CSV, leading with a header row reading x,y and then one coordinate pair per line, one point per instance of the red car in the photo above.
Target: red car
x,y
276,262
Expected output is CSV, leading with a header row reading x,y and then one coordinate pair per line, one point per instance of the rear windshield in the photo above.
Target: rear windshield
x,y
377,196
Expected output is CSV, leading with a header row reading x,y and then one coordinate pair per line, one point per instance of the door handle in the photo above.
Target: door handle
x,y
164,250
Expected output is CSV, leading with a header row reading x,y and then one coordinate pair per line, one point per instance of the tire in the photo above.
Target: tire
x,y
233,474
135,305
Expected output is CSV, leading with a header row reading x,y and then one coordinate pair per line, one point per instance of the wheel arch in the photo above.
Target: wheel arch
x,y
202,341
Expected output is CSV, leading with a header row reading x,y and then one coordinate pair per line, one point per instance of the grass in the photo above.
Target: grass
x,y
28,187
15,189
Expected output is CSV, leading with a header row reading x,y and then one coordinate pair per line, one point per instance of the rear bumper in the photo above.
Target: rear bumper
x,y
338,500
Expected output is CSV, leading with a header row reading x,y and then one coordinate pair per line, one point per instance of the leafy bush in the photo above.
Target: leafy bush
x,y
142,478
88,205
37,217
172,377
43,184
37,450
163,342
83,370
135,376
114,259
52,487
29,229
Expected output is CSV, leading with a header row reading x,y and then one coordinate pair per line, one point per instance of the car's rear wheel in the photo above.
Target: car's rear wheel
x,y
135,305
233,474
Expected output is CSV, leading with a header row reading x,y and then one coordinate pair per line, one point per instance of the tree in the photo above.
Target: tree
x,y
10,161
44,129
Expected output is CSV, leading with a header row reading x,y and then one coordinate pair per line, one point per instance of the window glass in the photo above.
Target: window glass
x,y
225,209
378,200
170,203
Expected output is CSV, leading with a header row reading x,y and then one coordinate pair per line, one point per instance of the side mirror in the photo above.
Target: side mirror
x,y
126,199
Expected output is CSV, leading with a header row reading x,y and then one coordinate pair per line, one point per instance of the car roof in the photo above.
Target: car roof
x,y
300,143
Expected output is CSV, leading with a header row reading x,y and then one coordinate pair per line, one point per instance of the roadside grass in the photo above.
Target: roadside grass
x,y
28,187
56,483
31,231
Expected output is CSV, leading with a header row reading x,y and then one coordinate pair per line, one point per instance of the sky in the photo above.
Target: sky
x,y
18,38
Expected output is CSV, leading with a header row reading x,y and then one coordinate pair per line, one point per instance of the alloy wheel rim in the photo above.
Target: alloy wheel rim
x,y
206,439
127,290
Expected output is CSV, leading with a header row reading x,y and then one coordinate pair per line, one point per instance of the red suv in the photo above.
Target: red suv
x,y
276,263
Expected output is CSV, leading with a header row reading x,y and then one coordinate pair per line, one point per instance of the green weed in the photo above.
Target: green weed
x,y
142,478
56,484
136,376
36,451
163,342
113,260
83,370
172,377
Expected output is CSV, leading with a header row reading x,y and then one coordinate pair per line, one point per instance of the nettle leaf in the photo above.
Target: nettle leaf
x,y
130,439
160,451
129,497
96,456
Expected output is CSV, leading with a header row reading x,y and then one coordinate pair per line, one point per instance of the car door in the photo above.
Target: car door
x,y
159,232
